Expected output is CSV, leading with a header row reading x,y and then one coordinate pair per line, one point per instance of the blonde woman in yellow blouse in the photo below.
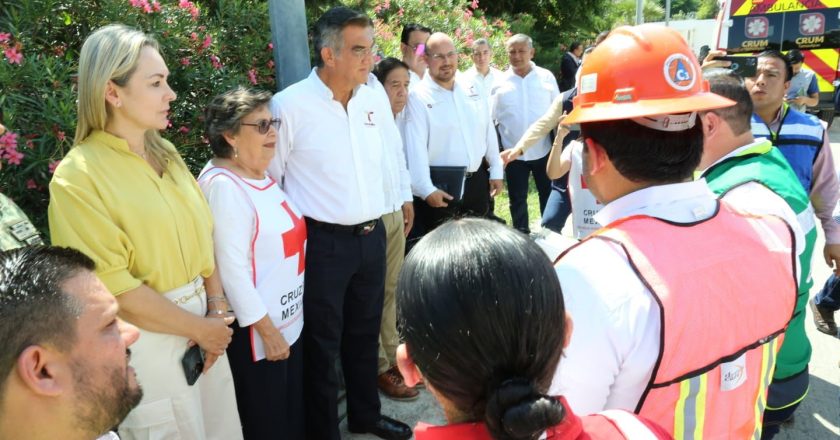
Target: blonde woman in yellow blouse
x,y
124,197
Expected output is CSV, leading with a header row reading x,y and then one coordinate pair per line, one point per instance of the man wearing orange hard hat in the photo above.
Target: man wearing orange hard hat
x,y
657,295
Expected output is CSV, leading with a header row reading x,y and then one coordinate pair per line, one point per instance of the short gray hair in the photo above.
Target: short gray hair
x,y
480,42
519,39
224,115
327,30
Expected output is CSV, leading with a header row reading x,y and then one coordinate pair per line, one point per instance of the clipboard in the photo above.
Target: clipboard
x,y
449,179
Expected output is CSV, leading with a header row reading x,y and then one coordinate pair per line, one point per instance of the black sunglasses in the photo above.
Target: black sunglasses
x,y
263,124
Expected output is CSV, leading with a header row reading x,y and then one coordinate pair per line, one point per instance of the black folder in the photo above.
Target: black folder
x,y
450,180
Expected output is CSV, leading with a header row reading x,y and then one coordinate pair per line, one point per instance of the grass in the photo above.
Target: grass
x,y
503,205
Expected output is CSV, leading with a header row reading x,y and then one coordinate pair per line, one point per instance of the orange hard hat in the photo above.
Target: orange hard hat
x,y
641,71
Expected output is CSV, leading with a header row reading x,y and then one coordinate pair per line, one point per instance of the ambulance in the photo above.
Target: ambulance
x,y
812,26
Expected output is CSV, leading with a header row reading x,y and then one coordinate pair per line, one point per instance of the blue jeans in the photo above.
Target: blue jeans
x,y
829,296
517,174
558,207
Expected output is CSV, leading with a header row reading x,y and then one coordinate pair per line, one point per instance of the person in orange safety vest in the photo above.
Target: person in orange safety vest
x,y
659,293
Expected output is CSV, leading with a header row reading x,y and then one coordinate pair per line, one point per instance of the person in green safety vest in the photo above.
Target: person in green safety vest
x,y
754,176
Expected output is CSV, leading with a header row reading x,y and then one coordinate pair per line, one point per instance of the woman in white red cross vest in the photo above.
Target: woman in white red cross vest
x,y
260,239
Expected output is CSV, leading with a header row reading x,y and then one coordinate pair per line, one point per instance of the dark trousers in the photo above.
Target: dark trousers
x,y
829,295
342,310
517,174
269,394
559,206
473,204
781,396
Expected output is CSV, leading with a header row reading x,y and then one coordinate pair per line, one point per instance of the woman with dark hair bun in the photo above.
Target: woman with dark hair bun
x,y
484,325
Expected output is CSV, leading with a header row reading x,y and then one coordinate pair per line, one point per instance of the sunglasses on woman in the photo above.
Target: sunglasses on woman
x,y
263,124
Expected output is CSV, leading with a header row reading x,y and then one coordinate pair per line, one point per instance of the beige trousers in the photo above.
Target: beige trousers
x,y
394,256
170,408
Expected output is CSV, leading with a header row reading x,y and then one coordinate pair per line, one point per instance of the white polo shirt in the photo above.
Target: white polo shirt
x,y
517,102
481,84
446,128
331,160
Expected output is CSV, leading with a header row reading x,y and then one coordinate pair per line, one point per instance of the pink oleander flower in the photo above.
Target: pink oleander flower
x,y
136,3
146,7
194,36
8,140
376,9
183,129
400,12
156,6
4,37
270,46
53,165
185,61
13,55
194,12
29,144
252,76
474,4
185,4
30,184
216,63
208,40
13,156
60,136
270,64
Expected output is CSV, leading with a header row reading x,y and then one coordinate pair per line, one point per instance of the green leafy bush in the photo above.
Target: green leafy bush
x,y
209,47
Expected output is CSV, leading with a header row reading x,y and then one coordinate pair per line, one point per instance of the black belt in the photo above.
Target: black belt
x,y
364,228
469,174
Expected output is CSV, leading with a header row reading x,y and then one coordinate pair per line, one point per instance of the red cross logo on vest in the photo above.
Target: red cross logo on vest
x,y
295,238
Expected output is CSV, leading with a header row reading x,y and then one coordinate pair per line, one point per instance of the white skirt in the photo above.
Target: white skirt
x,y
170,408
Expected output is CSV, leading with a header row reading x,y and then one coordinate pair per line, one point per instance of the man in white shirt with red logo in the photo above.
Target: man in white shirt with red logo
x,y
332,156
521,96
446,126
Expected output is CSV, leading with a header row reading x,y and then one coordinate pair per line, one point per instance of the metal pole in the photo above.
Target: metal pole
x,y
290,38
640,16
667,11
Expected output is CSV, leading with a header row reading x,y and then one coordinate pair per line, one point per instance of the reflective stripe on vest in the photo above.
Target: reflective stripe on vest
x,y
800,138
768,360
711,377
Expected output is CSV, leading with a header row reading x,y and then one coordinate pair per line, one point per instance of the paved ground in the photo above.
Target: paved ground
x,y
817,418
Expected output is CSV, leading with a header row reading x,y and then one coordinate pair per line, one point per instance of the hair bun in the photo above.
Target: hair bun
x,y
515,410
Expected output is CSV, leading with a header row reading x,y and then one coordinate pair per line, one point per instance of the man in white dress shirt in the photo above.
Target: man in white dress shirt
x,y
643,141
481,76
412,42
333,152
446,126
521,96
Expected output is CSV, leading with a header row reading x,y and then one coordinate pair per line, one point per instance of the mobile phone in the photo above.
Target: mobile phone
x,y
193,363
744,67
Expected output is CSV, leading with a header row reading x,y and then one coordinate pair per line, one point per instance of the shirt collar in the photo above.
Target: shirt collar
x,y
435,86
117,143
760,146
511,72
654,199
322,88
570,427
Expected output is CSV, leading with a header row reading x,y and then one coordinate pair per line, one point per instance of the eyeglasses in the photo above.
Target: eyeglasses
x,y
263,124
444,56
362,52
